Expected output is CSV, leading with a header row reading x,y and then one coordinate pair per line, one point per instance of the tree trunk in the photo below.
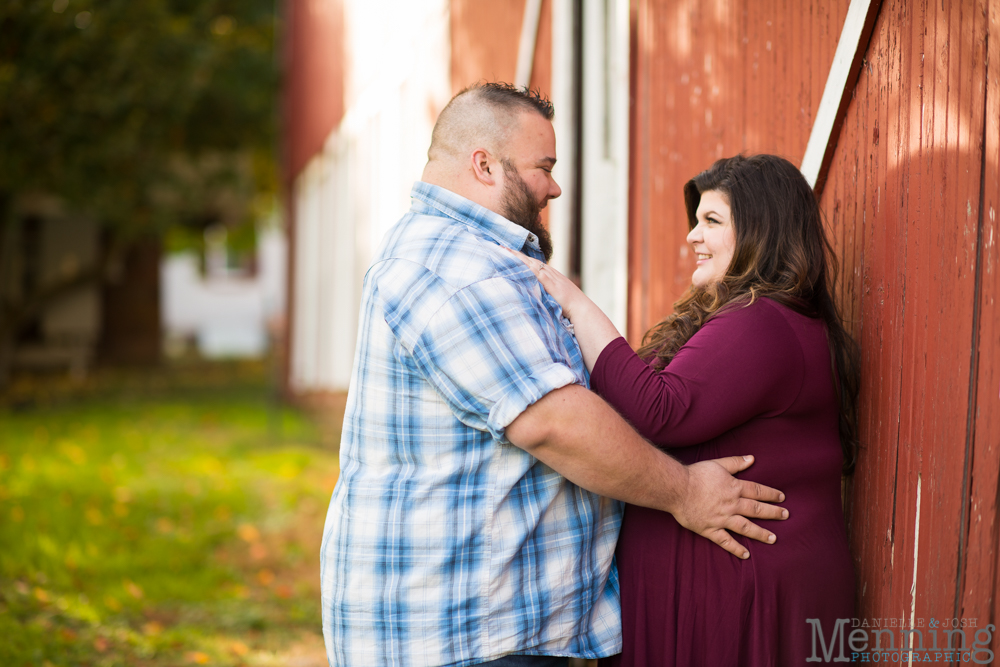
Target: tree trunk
x,y
6,333
6,358
131,331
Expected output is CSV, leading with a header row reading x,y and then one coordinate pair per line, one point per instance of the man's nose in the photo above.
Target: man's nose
x,y
554,190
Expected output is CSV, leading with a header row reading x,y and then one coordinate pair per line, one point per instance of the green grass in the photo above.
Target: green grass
x,y
162,519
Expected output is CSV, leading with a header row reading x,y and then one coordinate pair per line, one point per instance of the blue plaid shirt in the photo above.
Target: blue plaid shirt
x,y
444,544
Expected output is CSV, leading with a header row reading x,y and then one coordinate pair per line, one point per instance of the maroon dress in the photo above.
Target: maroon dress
x,y
754,380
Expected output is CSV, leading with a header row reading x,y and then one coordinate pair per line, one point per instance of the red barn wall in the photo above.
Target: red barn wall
x,y
312,107
911,202
314,85
485,37
979,595
712,80
484,41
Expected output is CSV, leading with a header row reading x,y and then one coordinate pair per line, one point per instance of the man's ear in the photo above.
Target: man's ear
x,y
484,166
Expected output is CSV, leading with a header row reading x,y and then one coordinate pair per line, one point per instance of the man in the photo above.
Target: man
x,y
473,519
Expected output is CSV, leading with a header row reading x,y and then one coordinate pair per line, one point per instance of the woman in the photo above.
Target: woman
x,y
754,360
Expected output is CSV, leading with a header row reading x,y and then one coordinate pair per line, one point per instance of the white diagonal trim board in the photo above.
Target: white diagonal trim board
x,y
836,88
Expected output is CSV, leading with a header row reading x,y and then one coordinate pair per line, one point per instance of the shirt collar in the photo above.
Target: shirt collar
x,y
497,227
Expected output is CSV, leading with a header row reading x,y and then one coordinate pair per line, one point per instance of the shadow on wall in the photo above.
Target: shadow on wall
x,y
911,203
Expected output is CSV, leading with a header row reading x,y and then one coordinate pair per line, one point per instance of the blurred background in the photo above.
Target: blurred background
x,y
191,192
161,498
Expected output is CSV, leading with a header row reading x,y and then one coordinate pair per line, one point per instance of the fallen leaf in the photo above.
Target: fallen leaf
x,y
239,648
198,657
73,452
265,577
248,532
94,516
133,589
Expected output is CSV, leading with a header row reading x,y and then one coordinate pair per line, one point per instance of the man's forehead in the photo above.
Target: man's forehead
x,y
535,135
531,122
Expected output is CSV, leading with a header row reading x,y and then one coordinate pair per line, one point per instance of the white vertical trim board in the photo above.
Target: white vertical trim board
x,y
338,259
326,285
605,155
526,46
564,123
305,310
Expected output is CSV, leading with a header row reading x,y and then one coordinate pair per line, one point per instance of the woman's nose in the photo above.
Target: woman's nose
x,y
694,235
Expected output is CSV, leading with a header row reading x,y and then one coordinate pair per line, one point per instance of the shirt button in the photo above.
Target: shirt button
x,y
531,237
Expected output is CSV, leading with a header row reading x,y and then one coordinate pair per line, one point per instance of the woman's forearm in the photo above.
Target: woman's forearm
x,y
594,330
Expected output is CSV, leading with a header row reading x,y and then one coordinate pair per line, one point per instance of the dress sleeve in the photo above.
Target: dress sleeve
x,y
743,363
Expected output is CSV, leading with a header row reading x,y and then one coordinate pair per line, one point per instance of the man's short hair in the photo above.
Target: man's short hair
x,y
509,96
484,112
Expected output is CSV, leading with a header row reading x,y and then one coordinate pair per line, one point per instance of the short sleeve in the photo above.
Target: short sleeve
x,y
490,349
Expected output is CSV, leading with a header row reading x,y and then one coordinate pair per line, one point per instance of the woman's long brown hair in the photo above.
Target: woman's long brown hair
x,y
782,253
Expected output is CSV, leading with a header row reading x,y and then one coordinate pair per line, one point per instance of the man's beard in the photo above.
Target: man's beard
x,y
518,206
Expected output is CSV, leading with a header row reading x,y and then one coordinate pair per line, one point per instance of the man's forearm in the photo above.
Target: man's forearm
x,y
576,433
581,437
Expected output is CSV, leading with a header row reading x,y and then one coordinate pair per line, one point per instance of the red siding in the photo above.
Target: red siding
x,y
904,200
911,200
980,594
484,40
313,106
314,70
485,37
712,80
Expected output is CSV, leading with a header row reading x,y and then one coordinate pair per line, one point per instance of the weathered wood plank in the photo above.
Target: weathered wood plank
x,y
908,155
712,80
911,203
847,61
979,597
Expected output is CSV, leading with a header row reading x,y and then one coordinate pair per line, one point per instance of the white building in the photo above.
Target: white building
x,y
225,312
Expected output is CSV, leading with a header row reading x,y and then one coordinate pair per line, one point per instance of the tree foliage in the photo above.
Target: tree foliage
x,y
122,109
137,114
